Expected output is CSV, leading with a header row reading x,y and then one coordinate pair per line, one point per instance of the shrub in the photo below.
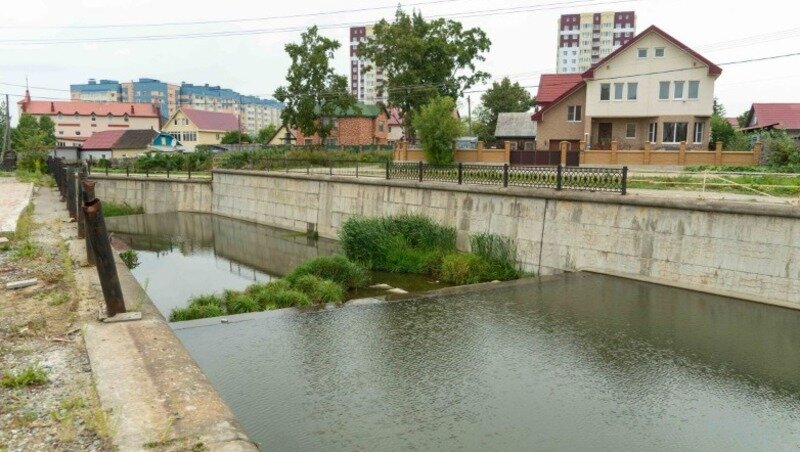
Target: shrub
x,y
336,268
288,298
438,128
239,302
464,268
30,376
318,290
261,293
130,258
500,253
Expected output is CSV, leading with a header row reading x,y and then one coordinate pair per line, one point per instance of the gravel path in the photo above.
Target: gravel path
x,y
40,328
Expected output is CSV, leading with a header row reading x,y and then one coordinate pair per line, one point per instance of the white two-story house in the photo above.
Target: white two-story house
x,y
653,89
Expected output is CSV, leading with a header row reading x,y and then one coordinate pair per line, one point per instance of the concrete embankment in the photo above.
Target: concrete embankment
x,y
156,194
743,249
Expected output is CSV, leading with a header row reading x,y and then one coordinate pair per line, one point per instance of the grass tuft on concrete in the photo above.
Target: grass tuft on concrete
x,y
30,376
112,209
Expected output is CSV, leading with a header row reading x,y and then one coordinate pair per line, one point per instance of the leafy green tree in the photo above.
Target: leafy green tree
x,y
424,59
27,126
438,129
314,92
48,128
235,137
742,119
503,97
266,133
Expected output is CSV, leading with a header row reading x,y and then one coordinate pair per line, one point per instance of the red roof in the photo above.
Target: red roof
x,y
552,86
68,108
103,140
394,117
733,121
713,69
212,120
787,115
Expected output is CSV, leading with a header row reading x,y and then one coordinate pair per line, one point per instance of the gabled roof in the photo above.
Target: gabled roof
x,y
103,140
782,115
211,120
515,125
733,121
537,116
68,108
135,139
713,69
552,86
394,117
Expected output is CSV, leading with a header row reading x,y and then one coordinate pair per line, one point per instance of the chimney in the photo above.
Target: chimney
x,y
52,107
133,112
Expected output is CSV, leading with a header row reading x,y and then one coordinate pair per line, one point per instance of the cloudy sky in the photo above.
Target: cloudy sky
x,y
55,43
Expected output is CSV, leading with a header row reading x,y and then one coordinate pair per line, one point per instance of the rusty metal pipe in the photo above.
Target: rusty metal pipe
x,y
104,255
88,195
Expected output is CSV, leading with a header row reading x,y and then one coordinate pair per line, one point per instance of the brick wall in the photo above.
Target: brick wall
x,y
355,131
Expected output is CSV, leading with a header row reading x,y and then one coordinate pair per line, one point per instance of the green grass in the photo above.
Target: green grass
x,y
30,376
27,250
774,185
38,179
318,290
25,224
112,209
130,258
336,268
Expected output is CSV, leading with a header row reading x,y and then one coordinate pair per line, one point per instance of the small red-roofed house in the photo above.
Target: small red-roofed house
x,y
780,116
195,127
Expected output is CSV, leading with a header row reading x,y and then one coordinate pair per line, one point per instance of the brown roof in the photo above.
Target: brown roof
x,y
713,69
135,139
103,140
782,115
552,86
68,108
212,120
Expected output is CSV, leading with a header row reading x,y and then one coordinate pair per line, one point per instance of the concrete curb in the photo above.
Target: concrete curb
x,y
156,392
10,225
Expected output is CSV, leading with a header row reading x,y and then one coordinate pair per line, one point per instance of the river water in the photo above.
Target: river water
x,y
578,362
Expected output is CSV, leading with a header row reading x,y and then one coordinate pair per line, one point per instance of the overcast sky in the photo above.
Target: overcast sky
x,y
523,41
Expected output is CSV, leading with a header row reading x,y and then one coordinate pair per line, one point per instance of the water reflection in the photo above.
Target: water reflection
x,y
585,362
185,254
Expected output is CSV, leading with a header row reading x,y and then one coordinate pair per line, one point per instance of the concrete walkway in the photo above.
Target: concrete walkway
x,y
14,197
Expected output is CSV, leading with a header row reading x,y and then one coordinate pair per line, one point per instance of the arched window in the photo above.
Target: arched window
x,y
125,118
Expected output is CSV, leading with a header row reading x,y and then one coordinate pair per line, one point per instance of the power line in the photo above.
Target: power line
x,y
258,31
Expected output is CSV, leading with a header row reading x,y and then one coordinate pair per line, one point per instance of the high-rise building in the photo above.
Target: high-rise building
x,y
366,80
254,112
584,39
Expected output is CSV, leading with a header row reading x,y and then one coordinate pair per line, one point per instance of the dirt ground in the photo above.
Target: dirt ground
x,y
40,328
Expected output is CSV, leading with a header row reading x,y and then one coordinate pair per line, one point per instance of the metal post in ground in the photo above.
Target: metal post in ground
x,y
559,176
356,168
505,174
460,173
127,170
387,168
71,194
421,170
88,195
104,255
79,199
624,180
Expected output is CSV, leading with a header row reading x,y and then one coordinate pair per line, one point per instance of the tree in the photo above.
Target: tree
x,y
235,137
503,97
48,128
27,126
742,119
315,93
438,129
422,60
265,134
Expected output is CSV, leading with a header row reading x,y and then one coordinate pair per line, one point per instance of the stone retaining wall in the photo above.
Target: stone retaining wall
x,y
154,194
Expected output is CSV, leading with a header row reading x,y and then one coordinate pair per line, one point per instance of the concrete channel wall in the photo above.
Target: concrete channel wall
x,y
731,248
155,194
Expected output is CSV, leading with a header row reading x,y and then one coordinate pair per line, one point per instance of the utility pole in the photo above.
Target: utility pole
x,y
6,132
469,114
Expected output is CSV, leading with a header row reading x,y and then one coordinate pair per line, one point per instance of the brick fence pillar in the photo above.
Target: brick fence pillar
x,y
507,151
758,147
563,146
614,149
718,153
647,149
682,153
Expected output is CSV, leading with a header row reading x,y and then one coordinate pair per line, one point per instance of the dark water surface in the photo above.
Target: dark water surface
x,y
584,362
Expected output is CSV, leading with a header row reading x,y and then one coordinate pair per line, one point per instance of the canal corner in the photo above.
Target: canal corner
x,y
156,394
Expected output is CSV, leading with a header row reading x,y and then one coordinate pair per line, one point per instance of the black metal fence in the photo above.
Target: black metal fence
x,y
555,177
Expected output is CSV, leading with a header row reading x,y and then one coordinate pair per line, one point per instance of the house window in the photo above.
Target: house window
x,y
309,141
530,145
642,53
380,126
663,90
76,116
699,128
652,132
331,142
125,118
189,136
61,132
110,117
605,91
659,52
694,89
176,122
618,88
675,132
513,145
94,118
633,90
77,132
574,113
630,130
679,89
59,116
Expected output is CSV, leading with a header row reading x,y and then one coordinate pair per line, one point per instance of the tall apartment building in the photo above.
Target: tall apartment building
x,y
365,81
584,39
254,112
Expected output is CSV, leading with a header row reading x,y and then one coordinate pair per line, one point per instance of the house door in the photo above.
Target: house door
x,y
604,132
